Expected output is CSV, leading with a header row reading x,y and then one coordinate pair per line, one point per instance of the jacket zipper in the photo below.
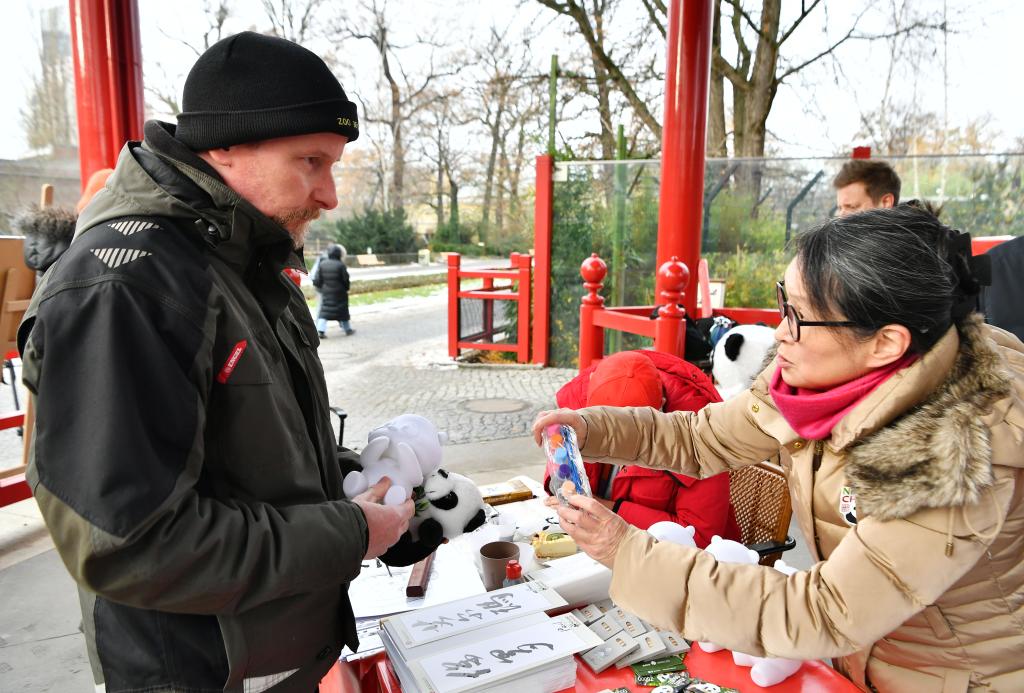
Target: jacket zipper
x,y
819,451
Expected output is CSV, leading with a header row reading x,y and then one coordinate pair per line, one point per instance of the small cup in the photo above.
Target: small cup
x,y
494,557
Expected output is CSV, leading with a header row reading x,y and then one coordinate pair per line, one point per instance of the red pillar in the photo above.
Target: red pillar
x,y
669,328
523,263
542,223
108,79
593,270
454,260
681,202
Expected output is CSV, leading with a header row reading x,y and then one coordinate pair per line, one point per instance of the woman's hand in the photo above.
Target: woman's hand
x,y
560,416
595,528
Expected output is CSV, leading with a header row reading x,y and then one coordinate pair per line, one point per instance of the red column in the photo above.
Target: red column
x,y
108,79
669,329
593,270
542,223
523,262
687,73
453,304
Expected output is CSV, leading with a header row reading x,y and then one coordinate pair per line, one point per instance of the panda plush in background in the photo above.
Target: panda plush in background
x,y
739,356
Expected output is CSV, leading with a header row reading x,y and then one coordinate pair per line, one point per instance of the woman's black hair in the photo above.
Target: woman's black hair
x,y
891,266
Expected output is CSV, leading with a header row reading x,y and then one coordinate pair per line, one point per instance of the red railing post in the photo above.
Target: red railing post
x,y
523,262
108,79
453,304
670,328
543,220
861,153
681,200
593,270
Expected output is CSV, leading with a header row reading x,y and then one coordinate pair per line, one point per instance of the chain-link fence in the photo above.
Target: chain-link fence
x,y
752,208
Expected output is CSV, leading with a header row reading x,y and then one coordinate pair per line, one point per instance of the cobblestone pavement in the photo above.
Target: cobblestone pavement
x,y
397,362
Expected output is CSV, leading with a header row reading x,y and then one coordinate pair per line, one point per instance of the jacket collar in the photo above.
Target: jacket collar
x,y
244,230
175,182
937,454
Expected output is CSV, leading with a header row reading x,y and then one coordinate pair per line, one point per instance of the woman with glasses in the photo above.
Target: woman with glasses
x,y
900,419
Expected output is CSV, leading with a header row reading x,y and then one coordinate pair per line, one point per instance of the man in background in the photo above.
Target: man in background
x,y
863,184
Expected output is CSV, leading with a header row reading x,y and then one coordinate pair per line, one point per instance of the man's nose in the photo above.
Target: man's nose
x,y
326,193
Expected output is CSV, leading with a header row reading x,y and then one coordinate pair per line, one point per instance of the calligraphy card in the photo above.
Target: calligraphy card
x,y
674,643
609,652
444,620
651,647
590,613
479,666
606,626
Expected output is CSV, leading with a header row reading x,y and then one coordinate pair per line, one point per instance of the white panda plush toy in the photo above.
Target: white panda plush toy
x,y
739,356
406,449
451,505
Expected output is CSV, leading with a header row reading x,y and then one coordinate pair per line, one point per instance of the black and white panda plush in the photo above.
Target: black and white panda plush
x,y
451,505
739,356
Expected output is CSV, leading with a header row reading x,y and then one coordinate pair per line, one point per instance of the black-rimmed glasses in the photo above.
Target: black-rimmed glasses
x,y
788,313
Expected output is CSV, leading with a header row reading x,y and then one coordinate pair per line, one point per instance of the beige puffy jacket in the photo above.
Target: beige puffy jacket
x,y
921,587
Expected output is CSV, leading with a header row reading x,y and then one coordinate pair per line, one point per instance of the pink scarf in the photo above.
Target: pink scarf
x,y
814,413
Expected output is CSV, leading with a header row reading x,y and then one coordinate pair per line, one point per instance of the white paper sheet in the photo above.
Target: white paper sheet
x,y
453,575
442,621
506,655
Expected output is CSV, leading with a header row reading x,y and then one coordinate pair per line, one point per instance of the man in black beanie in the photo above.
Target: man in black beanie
x,y
184,459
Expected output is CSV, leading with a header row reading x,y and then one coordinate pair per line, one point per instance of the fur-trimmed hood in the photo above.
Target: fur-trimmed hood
x,y
48,232
939,453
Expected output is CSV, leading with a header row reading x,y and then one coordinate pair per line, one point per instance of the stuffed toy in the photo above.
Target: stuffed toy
x,y
451,505
768,671
739,356
406,449
673,532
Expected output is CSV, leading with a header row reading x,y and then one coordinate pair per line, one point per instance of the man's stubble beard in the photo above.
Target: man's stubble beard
x,y
296,222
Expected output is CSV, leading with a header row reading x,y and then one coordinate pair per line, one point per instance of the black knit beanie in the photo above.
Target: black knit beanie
x,y
251,87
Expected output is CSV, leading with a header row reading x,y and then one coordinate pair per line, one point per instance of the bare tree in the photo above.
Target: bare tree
x,y
292,19
592,28
49,119
407,94
217,15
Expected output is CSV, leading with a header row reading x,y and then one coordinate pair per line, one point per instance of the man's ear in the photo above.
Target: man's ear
x,y
887,201
223,157
888,345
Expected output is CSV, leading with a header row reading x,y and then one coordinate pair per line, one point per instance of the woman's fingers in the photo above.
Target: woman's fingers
x,y
566,417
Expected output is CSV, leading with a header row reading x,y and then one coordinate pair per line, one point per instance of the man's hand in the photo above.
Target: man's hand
x,y
595,528
560,416
385,523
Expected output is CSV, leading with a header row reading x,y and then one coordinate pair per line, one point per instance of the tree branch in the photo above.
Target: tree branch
x,y
804,11
652,7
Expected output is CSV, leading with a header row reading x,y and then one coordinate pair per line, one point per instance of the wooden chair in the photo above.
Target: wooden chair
x,y
17,282
760,498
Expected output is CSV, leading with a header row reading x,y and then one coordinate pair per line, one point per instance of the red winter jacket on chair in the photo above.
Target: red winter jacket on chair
x,y
644,496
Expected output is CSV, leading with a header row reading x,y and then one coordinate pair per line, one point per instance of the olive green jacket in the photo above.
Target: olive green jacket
x,y
184,459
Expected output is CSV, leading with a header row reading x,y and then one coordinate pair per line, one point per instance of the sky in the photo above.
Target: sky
x,y
816,114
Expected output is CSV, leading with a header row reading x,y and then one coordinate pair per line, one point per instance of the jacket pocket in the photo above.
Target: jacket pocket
x,y
240,360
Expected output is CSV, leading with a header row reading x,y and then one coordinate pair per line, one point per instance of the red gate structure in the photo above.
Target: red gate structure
x,y
519,273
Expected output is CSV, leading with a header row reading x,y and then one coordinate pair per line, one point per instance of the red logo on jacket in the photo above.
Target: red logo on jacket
x,y
229,366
